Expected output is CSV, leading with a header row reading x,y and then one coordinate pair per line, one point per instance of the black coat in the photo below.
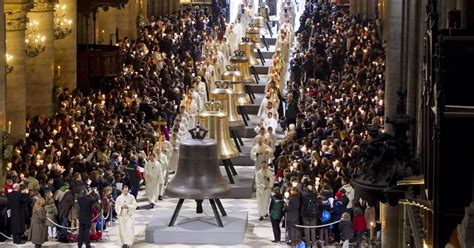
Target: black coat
x,y
3,213
17,203
305,198
85,204
293,210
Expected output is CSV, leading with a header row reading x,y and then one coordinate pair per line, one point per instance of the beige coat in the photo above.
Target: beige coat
x,y
38,231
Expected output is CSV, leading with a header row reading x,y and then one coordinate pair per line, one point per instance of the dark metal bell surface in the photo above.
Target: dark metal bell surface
x,y
198,175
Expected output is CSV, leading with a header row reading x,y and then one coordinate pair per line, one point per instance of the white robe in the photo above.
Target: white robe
x,y
167,149
202,90
125,218
260,153
154,178
264,183
199,102
164,169
270,122
270,140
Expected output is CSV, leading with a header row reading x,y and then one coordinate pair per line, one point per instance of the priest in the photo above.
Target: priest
x,y
125,206
154,178
260,153
264,183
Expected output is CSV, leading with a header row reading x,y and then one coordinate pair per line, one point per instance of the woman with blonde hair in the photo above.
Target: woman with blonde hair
x,y
51,213
346,229
38,231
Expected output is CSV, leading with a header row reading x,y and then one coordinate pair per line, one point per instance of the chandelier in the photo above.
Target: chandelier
x,y
62,25
8,65
34,40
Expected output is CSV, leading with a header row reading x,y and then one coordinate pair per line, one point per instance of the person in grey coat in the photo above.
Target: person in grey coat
x,y
38,232
346,229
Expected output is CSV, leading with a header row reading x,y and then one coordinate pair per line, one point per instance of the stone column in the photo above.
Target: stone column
x,y
65,50
364,7
40,69
461,5
2,90
16,19
352,7
413,53
393,28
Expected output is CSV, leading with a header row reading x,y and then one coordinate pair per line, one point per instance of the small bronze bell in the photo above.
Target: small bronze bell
x,y
259,22
216,121
235,78
253,33
263,11
224,94
248,48
242,63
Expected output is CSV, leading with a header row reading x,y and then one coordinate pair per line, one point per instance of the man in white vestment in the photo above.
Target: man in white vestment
x,y
160,157
153,178
264,183
270,121
261,134
260,153
125,206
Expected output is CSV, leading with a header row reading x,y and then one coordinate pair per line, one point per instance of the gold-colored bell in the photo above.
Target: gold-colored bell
x,y
216,121
242,63
235,78
253,33
224,94
259,22
248,48
263,11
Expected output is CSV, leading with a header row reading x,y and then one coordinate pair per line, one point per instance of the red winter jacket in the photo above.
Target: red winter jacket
x,y
358,224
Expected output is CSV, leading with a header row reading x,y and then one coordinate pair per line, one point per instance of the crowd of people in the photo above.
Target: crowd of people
x,y
333,105
104,143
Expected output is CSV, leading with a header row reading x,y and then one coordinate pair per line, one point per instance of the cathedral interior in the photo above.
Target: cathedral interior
x,y
84,68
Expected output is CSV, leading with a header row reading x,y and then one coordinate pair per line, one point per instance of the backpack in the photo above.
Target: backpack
x,y
312,208
276,212
325,216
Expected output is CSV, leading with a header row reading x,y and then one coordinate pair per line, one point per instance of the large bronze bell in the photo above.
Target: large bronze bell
x,y
242,63
253,33
198,175
224,94
235,78
248,48
216,121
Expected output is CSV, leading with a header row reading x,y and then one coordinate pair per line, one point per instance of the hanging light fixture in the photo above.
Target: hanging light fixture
x,y
34,40
62,25
8,65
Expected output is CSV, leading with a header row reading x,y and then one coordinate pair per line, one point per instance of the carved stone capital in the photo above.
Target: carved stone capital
x,y
15,19
44,5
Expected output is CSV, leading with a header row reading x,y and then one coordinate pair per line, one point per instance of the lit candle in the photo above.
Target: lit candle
x,y
59,71
9,127
371,231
